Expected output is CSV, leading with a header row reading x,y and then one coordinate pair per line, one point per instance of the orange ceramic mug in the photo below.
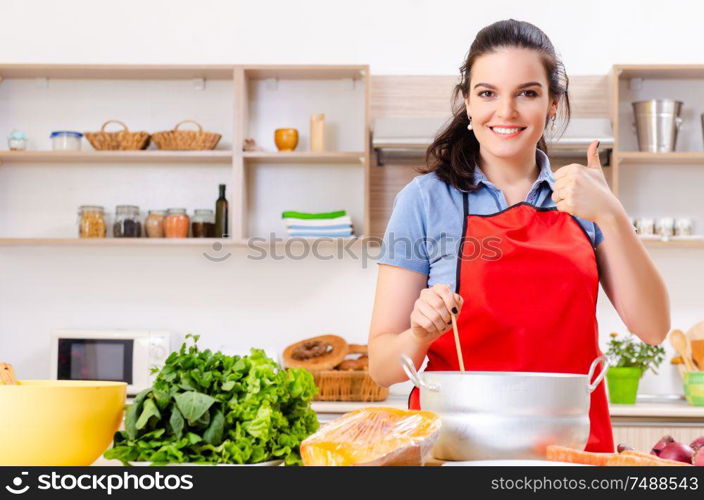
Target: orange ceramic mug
x,y
286,139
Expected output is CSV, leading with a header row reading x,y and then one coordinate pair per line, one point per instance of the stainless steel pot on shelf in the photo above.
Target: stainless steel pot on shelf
x,y
657,123
506,415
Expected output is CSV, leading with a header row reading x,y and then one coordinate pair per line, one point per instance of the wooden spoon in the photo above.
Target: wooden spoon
x,y
7,374
698,353
457,341
681,344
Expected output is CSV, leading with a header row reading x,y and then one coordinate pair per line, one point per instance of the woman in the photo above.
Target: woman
x,y
489,233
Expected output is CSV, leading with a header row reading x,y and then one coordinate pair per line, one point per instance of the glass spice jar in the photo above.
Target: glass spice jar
x,y
127,224
91,222
203,223
176,223
154,225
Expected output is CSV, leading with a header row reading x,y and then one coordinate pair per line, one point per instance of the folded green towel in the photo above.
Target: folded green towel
x,y
291,214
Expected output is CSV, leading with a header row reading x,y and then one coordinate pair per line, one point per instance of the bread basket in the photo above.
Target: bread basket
x,y
189,140
122,140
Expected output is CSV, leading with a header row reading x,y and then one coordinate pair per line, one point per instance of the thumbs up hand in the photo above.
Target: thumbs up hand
x,y
582,191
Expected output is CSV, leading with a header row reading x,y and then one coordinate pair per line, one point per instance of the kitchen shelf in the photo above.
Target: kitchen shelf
x,y
673,243
119,242
660,71
305,72
650,183
127,157
684,158
271,97
190,242
234,99
305,157
116,71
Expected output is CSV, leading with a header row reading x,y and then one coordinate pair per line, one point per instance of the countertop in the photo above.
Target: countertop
x,y
643,412
660,410
676,409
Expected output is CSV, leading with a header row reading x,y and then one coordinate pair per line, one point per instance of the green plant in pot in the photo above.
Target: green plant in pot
x,y
630,359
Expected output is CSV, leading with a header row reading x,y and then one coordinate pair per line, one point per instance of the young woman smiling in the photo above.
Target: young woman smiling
x,y
527,248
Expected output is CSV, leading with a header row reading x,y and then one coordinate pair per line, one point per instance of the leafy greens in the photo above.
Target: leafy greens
x,y
207,407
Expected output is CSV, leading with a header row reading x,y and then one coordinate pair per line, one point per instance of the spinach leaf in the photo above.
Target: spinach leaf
x,y
213,435
193,405
149,411
132,413
176,422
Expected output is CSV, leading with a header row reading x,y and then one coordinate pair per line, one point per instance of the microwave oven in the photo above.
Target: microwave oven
x,y
114,355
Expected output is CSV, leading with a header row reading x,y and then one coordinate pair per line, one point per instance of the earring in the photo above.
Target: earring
x,y
553,127
469,126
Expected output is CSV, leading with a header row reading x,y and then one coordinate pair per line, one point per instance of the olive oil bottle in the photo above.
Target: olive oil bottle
x,y
221,215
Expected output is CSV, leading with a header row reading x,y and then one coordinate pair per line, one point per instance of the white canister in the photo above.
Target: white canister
x,y
665,227
684,226
645,226
66,140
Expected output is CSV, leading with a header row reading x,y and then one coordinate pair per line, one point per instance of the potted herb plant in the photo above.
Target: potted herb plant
x,y
630,359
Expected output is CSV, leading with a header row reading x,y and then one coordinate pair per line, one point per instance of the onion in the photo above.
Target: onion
x,y
623,447
697,443
664,441
677,451
698,458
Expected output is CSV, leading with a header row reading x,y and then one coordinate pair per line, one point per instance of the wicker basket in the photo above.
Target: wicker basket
x,y
335,385
124,140
186,139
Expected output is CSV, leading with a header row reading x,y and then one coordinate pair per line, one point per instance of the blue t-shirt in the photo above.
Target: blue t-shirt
x,y
425,228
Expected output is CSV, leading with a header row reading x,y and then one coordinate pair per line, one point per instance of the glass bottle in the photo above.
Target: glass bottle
x,y
221,215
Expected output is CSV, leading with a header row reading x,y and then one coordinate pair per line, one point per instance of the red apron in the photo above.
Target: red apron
x,y
529,280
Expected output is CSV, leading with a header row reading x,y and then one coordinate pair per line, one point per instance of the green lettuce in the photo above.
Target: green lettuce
x,y
207,407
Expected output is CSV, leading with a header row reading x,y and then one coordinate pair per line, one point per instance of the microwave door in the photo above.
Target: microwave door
x,y
95,359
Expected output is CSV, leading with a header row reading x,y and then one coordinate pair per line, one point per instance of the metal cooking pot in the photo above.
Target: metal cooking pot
x,y
506,415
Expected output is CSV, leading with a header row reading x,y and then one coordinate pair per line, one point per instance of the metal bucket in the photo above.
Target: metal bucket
x,y
506,415
657,123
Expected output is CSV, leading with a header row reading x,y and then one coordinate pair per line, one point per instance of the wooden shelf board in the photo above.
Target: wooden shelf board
x,y
121,242
116,71
674,243
304,157
634,157
148,156
660,71
308,72
191,242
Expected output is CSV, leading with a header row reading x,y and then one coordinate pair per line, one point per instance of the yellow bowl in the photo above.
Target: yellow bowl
x,y
58,422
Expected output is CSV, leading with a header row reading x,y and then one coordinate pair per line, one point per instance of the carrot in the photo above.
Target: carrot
x,y
652,459
557,453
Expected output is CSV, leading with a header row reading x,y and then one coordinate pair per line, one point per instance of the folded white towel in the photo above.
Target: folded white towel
x,y
319,222
347,230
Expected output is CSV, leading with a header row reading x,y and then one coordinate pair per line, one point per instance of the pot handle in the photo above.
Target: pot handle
x,y
414,376
603,360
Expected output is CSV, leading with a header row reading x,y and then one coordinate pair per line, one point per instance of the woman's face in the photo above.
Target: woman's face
x,y
509,102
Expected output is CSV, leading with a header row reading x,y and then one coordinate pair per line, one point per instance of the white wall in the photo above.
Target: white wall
x,y
241,303
393,36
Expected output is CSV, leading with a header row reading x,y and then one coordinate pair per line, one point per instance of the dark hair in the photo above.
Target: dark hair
x,y
455,151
